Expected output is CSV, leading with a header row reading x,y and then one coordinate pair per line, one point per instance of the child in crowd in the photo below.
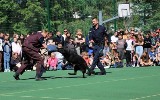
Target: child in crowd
x,y
6,53
152,55
135,60
117,62
144,60
15,62
51,46
52,62
129,45
106,48
86,58
158,59
158,46
107,60
60,57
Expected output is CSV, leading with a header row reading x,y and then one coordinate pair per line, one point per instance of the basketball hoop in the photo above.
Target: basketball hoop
x,y
124,13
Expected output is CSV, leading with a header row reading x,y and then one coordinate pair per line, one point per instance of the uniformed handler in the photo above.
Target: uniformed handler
x,y
96,36
31,48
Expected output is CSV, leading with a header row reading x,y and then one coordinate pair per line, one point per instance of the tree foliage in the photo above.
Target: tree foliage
x,y
24,16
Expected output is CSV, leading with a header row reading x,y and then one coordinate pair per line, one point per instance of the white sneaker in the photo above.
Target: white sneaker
x,y
5,70
137,65
8,70
133,65
107,66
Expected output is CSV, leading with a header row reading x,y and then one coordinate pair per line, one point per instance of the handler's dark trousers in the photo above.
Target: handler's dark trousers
x,y
31,55
97,51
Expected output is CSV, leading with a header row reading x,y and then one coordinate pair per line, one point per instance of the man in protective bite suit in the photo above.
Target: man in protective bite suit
x,y
30,49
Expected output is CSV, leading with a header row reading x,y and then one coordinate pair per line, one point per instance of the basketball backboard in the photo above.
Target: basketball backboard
x,y
123,10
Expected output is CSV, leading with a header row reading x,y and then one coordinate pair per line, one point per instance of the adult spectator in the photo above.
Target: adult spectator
x,y
1,50
147,43
79,41
65,33
59,38
16,47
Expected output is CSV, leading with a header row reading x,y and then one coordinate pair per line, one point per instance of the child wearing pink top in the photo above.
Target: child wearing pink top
x,y
52,62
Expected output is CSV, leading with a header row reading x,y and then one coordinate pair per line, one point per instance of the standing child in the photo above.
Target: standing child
x,y
52,62
6,53
129,50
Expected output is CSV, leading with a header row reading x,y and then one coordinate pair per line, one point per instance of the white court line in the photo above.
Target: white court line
x,y
6,95
26,96
149,96
79,85
44,97
64,98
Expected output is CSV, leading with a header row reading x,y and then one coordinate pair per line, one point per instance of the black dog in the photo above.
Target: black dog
x,y
72,57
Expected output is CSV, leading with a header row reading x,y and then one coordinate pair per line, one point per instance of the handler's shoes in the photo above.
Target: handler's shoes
x,y
101,73
16,76
40,79
90,72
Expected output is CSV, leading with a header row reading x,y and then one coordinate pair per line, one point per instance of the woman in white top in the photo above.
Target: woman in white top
x,y
16,47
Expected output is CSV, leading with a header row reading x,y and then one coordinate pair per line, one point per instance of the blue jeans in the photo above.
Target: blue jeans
x,y
118,64
59,66
97,51
139,50
6,60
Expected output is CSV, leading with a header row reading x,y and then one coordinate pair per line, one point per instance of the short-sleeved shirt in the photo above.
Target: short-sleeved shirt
x,y
34,42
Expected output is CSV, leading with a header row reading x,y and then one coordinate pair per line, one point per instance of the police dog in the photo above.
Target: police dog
x,y
72,57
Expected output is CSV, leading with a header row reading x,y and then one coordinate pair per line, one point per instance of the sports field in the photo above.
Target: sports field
x,y
118,84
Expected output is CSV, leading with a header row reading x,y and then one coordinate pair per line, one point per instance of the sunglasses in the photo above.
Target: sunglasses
x,y
65,31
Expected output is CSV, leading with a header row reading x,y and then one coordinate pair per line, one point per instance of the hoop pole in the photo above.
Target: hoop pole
x,y
114,7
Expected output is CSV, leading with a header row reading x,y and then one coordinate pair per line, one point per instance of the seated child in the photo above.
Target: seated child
x,y
52,62
117,61
152,55
158,46
86,58
144,60
106,61
158,59
51,46
15,62
60,58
